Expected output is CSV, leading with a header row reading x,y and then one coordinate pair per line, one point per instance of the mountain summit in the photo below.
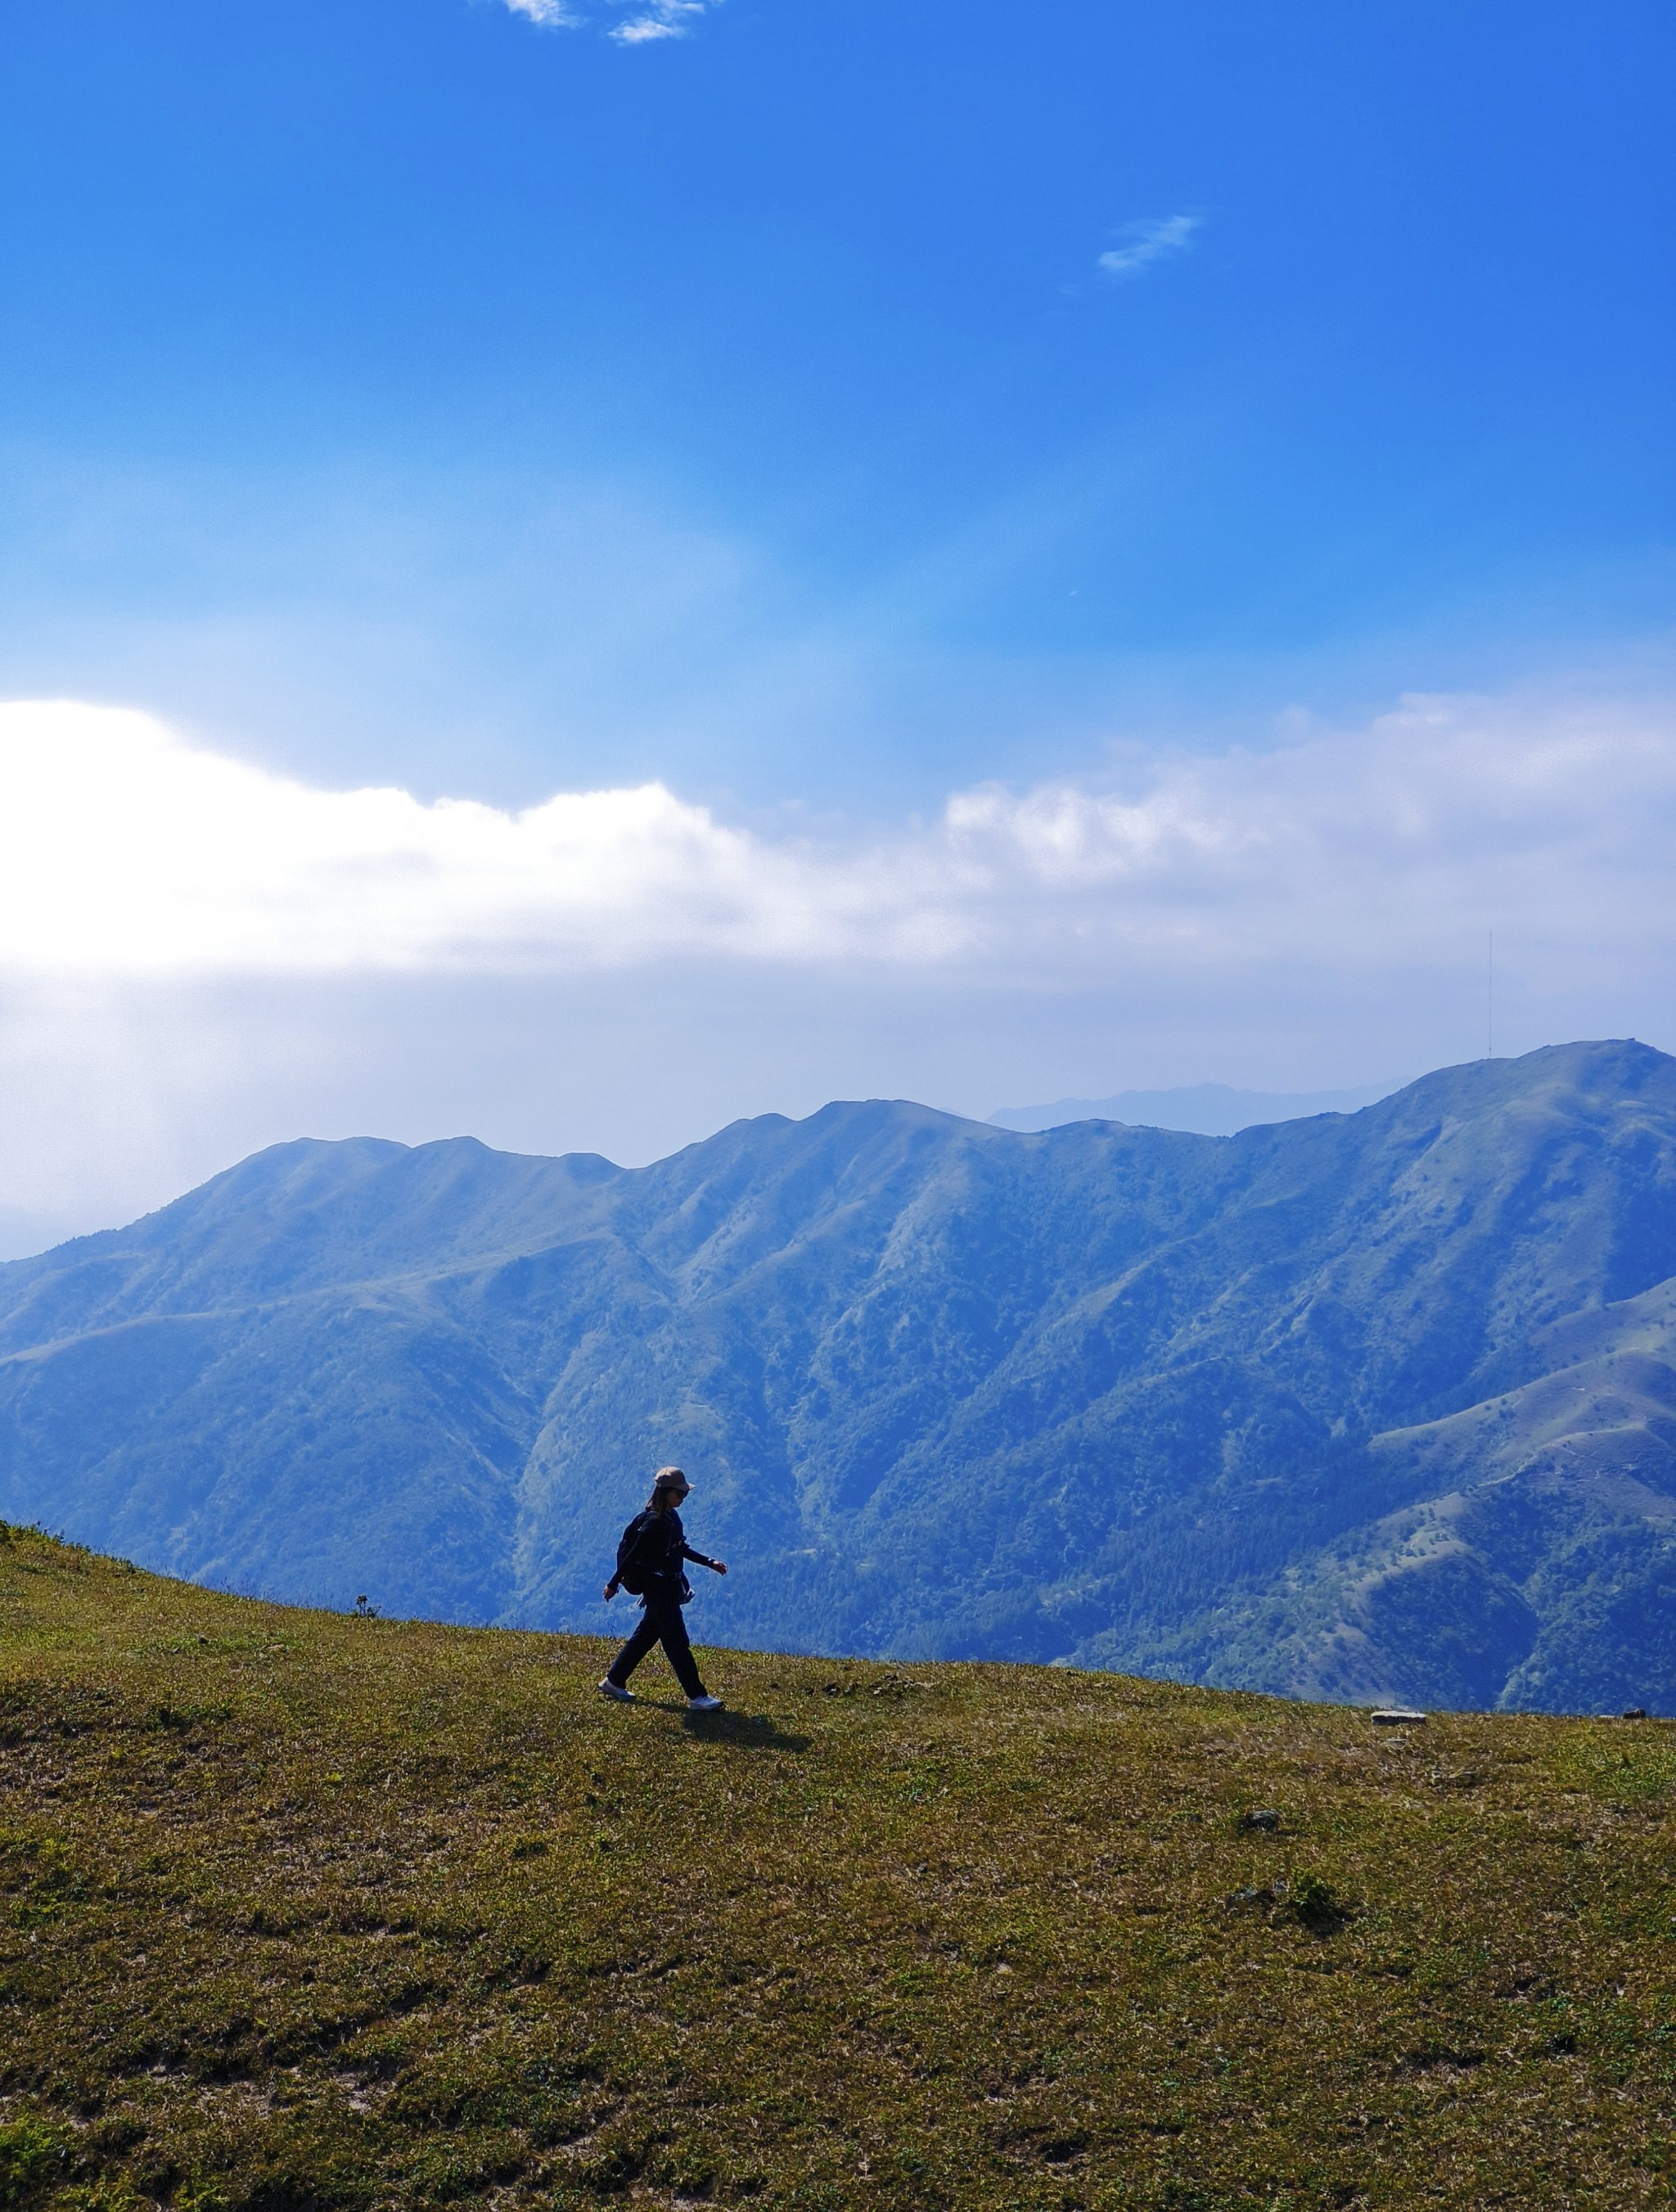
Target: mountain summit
x,y
1375,1404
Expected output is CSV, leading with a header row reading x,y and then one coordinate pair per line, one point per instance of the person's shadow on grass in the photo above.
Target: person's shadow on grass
x,y
743,1731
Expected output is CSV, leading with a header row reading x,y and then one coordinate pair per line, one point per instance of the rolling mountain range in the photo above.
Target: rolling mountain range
x,y
1367,1405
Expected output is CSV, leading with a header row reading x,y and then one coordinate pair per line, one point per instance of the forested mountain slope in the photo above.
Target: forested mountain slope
x,y
1368,1405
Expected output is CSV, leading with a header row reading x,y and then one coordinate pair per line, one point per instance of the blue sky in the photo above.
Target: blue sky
x,y
823,408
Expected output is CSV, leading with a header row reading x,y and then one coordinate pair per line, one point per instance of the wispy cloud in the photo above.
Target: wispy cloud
x,y
649,21
551,15
1140,244
664,19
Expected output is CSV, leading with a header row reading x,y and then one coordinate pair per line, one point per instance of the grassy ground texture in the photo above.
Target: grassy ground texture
x,y
301,1910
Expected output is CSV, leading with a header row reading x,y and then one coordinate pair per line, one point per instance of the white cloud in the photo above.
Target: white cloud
x,y
1140,244
652,19
663,19
127,851
551,15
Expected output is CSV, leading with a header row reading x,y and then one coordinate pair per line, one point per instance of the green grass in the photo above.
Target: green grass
x,y
301,1910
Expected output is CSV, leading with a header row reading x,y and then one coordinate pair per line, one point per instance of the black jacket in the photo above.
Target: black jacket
x,y
660,1552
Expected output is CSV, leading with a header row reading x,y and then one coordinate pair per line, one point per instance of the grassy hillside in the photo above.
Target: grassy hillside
x,y
301,1910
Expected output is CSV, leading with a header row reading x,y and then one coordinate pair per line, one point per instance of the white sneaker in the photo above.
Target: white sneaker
x,y
705,1704
616,1692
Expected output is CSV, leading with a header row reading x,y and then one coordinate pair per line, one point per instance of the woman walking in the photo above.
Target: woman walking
x,y
651,1561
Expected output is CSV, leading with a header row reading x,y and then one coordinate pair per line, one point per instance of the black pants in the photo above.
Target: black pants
x,y
661,1623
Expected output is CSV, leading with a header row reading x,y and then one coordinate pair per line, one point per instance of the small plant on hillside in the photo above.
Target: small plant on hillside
x,y
1313,1902
200,2197
33,2156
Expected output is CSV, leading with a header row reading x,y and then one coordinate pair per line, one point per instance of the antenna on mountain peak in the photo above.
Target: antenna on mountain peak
x,y
1490,998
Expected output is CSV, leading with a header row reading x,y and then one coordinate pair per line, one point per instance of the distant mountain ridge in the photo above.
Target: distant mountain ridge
x,y
1208,1109
1365,1406
24,1233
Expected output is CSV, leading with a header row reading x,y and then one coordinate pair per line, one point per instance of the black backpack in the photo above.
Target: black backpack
x,y
629,1577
